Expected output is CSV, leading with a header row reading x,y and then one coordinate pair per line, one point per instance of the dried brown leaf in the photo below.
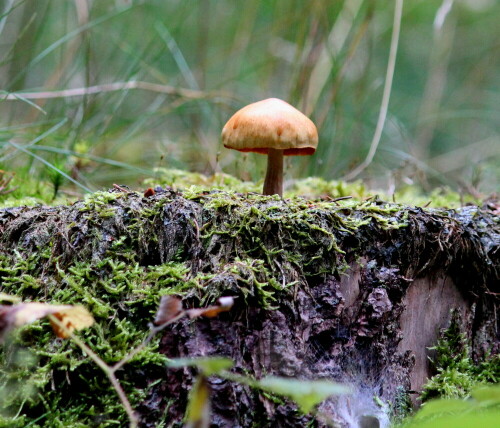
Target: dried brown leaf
x,y
225,304
168,309
72,317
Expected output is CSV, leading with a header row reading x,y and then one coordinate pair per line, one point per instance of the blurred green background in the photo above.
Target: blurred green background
x,y
197,62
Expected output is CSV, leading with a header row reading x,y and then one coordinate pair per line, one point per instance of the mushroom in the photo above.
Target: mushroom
x,y
274,128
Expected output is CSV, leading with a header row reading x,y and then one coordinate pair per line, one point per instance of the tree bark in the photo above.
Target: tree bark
x,y
350,292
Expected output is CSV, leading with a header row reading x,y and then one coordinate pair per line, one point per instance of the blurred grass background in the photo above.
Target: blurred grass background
x,y
198,61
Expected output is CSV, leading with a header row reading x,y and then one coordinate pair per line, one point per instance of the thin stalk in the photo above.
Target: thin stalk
x,y
391,64
112,87
273,184
111,370
152,334
51,166
105,368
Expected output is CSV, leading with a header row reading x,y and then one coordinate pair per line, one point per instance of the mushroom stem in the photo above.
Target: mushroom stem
x,y
273,184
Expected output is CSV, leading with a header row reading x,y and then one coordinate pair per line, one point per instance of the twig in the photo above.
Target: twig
x,y
148,339
111,370
121,189
105,368
439,61
112,87
398,11
341,198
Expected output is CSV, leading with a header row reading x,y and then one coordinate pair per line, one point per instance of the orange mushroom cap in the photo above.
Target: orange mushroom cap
x,y
270,124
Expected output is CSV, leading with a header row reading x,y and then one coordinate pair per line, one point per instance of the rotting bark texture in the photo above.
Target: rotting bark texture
x,y
351,292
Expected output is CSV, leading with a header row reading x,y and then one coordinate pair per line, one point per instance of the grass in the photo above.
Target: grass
x,y
197,62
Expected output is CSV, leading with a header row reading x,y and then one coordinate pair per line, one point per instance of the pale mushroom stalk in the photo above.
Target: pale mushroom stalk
x,y
273,184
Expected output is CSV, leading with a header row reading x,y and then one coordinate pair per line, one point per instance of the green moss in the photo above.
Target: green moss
x,y
98,204
123,298
401,408
182,180
457,374
310,188
29,191
252,279
26,190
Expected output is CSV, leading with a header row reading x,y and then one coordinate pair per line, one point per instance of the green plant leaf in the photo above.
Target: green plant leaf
x,y
489,419
482,411
208,365
490,394
306,393
442,406
198,411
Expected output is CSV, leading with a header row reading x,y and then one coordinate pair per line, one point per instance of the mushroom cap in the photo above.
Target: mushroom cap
x,y
270,124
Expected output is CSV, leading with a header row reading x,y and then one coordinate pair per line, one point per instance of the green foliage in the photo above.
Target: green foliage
x,y
25,190
123,298
28,191
113,276
482,410
309,188
306,393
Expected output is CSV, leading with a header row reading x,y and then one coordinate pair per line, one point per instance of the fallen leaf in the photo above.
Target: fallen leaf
x,y
168,309
225,304
72,317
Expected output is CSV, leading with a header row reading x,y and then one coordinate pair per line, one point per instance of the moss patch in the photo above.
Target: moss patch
x,y
456,373
313,188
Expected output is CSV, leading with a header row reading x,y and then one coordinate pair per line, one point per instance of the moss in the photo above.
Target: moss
x,y
123,298
99,205
122,289
457,374
26,190
182,180
312,188
401,408
248,277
